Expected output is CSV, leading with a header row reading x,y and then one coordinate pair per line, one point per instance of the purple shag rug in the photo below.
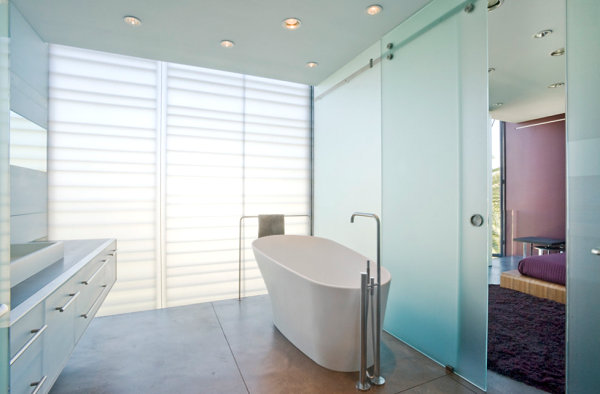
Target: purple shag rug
x,y
526,339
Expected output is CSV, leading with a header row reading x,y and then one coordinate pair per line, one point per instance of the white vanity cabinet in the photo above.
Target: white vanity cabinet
x,y
26,350
52,310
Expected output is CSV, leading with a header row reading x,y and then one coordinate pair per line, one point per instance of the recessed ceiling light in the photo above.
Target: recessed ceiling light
x,y
312,64
493,4
558,52
132,20
556,85
374,9
542,33
227,43
491,69
291,23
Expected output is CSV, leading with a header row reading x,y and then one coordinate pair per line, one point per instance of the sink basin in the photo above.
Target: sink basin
x,y
28,259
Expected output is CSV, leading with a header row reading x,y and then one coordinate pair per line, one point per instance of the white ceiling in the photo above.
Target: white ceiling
x,y
332,33
524,67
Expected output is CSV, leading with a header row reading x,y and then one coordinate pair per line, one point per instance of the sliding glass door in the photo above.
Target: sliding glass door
x,y
583,196
4,198
436,183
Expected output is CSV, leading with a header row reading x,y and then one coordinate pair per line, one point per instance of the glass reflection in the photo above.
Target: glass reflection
x,y
28,143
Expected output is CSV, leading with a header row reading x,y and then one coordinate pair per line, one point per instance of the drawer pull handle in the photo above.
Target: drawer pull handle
x,y
68,304
87,282
30,342
89,313
38,385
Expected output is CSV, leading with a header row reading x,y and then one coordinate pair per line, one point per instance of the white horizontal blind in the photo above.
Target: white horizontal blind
x,y
103,163
167,162
204,183
236,145
276,162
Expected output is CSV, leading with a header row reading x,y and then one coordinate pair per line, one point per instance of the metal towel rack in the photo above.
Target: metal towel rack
x,y
240,248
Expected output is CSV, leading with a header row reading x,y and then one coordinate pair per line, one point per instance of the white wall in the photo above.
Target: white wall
x,y
347,154
28,70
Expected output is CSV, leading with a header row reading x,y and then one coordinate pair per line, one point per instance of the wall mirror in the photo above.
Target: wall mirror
x,y
28,180
28,143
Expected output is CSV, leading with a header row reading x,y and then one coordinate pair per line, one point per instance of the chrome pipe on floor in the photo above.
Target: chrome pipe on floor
x,y
363,381
376,378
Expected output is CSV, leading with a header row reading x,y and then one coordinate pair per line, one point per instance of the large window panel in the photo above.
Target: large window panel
x,y
103,161
204,183
277,163
167,158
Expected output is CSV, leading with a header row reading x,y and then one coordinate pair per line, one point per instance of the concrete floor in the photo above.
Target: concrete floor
x,y
230,347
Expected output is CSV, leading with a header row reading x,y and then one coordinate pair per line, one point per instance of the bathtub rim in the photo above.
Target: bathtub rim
x,y
384,270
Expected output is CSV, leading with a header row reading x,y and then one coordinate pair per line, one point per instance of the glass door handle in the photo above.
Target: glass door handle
x,y
596,251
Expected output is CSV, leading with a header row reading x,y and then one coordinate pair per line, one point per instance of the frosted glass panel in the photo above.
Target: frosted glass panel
x,y
435,166
347,154
4,197
583,196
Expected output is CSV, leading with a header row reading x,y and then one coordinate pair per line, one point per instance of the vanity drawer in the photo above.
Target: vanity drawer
x,y
26,373
26,331
92,273
87,274
59,341
93,294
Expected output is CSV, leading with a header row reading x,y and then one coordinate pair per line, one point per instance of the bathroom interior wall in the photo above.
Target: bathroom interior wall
x,y
535,181
28,70
347,154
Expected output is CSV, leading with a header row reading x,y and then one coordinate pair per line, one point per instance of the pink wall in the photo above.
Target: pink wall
x,y
535,181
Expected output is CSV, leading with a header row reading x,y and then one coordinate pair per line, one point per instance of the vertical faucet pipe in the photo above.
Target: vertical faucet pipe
x,y
376,379
363,381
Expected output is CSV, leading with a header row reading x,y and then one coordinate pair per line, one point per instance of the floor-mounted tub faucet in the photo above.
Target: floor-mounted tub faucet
x,y
376,378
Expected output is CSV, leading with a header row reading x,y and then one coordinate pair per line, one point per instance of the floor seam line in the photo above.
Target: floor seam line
x,y
229,346
463,383
420,384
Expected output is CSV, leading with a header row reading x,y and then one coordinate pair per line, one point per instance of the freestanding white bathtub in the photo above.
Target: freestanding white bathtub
x,y
314,285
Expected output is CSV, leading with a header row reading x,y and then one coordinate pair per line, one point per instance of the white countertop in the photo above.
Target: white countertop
x,y
29,293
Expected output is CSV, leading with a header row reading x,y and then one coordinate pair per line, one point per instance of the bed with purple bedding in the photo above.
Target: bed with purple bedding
x,y
549,267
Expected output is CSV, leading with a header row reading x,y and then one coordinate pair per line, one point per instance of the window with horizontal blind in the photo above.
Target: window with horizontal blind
x,y
166,158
